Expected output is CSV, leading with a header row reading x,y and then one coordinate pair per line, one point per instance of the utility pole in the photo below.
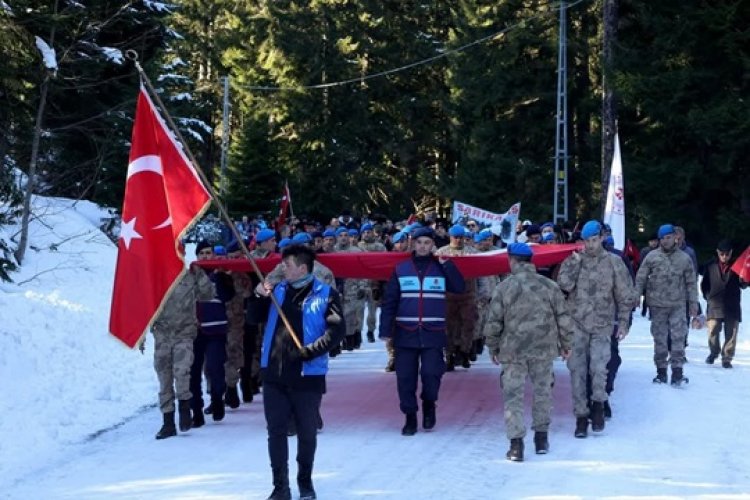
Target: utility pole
x,y
561,133
224,140
609,113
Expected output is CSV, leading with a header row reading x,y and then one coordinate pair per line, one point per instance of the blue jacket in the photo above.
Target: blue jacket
x,y
313,325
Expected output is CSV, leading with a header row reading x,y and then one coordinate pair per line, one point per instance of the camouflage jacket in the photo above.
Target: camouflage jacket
x,y
375,246
477,288
528,318
236,306
667,278
351,287
177,318
599,288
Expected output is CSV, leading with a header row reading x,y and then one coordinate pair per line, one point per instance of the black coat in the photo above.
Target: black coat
x,y
722,292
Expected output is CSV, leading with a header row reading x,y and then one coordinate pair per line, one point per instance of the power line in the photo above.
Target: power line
x,y
415,64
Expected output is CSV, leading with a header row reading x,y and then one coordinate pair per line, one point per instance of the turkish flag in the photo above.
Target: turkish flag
x,y
163,197
742,265
286,200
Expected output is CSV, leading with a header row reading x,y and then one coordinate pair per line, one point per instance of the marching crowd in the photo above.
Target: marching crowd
x,y
279,334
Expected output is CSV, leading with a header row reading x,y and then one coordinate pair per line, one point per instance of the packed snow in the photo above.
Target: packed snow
x,y
48,54
79,411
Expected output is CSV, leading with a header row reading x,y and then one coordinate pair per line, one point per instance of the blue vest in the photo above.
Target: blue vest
x,y
314,310
422,303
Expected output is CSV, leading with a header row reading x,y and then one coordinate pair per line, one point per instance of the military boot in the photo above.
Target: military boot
x,y
186,420
607,411
465,361
515,453
370,337
391,365
217,409
304,482
168,429
661,376
198,419
428,415
281,489
541,443
677,378
582,427
410,427
597,416
451,363
357,339
232,397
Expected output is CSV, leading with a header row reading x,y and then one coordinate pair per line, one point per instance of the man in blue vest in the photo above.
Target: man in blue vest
x,y
294,378
413,316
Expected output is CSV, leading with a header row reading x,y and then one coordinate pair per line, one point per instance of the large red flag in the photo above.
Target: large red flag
x,y
286,200
742,265
163,197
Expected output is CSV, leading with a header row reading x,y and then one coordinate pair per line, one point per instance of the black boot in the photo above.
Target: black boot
x,y
479,346
410,427
304,482
335,351
661,376
198,419
597,416
232,397
451,363
515,453
428,415
465,361
541,443
677,378
607,411
582,427
217,409
349,342
371,337
391,365
168,429
186,421
247,391
358,339
281,489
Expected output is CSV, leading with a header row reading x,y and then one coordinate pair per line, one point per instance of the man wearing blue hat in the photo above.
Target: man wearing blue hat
x,y
353,292
413,315
461,313
527,328
666,278
600,290
329,241
371,243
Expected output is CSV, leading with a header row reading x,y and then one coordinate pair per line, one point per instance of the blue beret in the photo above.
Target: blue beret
x,y
457,231
353,232
317,234
285,242
519,249
367,227
591,228
609,241
329,233
220,250
665,230
301,238
547,224
533,229
425,232
264,235
398,236
482,235
340,231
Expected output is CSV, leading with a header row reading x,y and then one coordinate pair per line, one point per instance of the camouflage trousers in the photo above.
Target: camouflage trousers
x,y
483,312
666,322
513,380
173,358
235,355
372,312
461,320
353,313
588,359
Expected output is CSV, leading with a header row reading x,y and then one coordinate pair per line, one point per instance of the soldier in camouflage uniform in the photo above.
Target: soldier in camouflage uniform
x,y
175,329
370,243
666,278
483,240
599,289
236,331
461,313
353,293
527,328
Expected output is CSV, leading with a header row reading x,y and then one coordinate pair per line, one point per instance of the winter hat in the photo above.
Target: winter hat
x,y
424,232
665,230
285,242
353,232
457,231
533,229
367,227
201,245
398,236
591,228
482,235
519,250
340,231
724,246
329,233
526,223
301,239
547,224
233,247
264,235
317,234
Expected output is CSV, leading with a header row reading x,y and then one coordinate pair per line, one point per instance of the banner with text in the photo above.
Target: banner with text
x,y
502,225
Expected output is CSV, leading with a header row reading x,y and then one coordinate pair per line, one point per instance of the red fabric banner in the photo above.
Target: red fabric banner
x,y
286,200
379,265
742,266
163,196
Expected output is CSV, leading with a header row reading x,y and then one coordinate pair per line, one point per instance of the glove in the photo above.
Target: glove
x,y
360,294
305,353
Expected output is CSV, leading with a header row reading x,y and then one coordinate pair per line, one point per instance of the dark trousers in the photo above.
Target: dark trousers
x,y
211,350
249,343
731,327
280,403
408,369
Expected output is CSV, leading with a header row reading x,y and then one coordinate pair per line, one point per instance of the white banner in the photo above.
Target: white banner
x,y
614,211
502,225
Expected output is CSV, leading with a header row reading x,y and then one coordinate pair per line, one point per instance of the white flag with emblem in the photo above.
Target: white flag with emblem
x,y
614,210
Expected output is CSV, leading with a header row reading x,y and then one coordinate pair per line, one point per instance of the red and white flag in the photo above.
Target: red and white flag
x,y
163,197
286,201
742,265
614,210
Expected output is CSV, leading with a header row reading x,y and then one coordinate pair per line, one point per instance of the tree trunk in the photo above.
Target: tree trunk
x,y
609,113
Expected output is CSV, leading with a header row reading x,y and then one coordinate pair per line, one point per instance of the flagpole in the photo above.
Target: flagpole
x,y
133,56
289,198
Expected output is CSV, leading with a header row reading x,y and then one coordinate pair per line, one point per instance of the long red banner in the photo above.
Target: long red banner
x,y
379,265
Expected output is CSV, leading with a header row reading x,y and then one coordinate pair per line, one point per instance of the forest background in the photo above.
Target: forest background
x,y
477,124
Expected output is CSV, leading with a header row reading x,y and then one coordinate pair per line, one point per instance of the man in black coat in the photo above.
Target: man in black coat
x,y
721,288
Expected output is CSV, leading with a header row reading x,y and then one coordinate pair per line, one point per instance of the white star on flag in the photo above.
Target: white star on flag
x,y
128,232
